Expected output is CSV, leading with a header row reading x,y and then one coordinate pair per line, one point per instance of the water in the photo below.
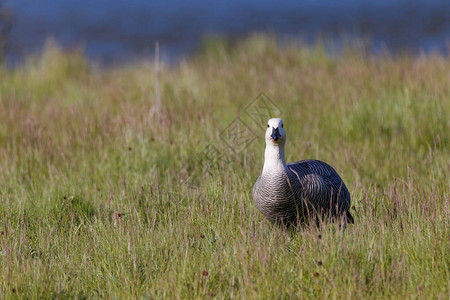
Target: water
x,y
121,30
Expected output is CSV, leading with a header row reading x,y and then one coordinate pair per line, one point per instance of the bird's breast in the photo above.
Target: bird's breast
x,y
275,196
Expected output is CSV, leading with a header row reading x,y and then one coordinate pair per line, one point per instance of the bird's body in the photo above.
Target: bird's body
x,y
289,193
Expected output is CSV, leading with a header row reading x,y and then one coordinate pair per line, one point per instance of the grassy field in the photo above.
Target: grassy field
x,y
104,192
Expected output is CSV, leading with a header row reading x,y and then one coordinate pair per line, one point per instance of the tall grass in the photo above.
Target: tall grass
x,y
98,199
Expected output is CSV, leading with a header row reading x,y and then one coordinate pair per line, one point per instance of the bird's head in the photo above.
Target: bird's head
x,y
275,133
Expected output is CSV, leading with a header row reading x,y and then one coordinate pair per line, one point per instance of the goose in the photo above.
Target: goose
x,y
295,192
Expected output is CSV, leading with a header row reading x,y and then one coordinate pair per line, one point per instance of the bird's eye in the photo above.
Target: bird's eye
x,y
268,126
282,126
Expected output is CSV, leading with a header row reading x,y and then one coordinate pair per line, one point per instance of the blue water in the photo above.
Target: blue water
x,y
120,30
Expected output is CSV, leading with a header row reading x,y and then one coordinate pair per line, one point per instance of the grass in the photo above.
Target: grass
x,y
104,194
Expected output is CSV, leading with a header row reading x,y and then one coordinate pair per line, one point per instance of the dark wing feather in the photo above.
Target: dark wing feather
x,y
321,185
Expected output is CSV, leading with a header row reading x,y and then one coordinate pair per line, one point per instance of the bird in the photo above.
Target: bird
x,y
297,192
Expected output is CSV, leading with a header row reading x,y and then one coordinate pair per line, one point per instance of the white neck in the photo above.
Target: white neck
x,y
274,158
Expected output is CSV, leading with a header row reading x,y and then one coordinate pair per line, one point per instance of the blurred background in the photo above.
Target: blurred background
x,y
114,31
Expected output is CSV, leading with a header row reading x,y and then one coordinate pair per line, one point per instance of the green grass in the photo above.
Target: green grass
x,y
103,193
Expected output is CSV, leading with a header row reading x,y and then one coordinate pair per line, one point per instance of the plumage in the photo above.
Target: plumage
x,y
292,192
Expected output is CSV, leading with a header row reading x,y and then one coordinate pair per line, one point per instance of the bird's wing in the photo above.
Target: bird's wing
x,y
313,166
319,180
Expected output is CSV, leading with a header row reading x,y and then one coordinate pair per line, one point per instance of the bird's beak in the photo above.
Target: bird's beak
x,y
275,134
